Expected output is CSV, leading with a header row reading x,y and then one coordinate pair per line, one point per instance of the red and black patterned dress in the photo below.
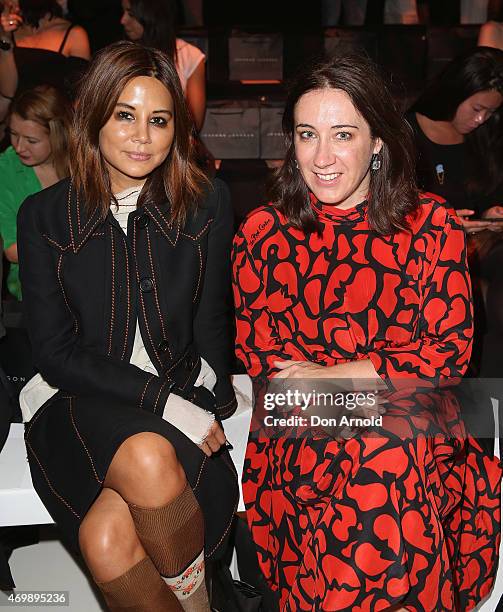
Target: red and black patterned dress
x,y
368,523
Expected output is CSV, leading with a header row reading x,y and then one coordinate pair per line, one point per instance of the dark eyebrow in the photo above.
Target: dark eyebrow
x,y
162,110
306,125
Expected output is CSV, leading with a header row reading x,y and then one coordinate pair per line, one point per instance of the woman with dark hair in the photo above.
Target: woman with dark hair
x,y
457,123
125,272
351,274
458,131
152,23
39,124
38,47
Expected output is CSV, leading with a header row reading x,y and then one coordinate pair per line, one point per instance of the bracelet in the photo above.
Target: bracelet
x,y
5,44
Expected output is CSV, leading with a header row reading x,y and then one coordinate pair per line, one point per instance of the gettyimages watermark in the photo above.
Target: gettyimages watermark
x,y
399,408
315,408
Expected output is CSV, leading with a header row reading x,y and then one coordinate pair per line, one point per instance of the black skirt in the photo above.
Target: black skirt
x,y
71,442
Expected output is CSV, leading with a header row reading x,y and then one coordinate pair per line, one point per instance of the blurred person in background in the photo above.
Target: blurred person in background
x,y
38,46
39,121
152,23
457,127
457,123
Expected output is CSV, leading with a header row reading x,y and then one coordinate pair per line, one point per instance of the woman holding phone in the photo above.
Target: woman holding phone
x,y
457,128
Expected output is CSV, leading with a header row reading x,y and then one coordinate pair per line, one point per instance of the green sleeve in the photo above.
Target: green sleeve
x,y
8,215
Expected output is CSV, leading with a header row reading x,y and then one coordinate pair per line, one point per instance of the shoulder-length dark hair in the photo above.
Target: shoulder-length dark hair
x,y
478,70
393,193
158,18
50,108
178,177
34,10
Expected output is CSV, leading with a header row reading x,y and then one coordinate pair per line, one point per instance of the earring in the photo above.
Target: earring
x,y
297,164
376,162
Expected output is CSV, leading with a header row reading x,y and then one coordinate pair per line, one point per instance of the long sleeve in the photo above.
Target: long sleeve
x,y
213,320
258,343
62,361
442,347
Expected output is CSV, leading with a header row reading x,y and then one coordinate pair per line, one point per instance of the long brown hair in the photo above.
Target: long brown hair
x,y
393,193
177,178
48,107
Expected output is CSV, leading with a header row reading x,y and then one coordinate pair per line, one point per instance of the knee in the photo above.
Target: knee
x,y
152,457
104,538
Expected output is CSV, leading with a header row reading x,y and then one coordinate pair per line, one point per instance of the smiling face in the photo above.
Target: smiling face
x,y
333,147
138,135
132,27
30,140
476,110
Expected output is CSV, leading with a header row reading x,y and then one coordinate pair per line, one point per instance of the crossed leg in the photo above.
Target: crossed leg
x,y
146,524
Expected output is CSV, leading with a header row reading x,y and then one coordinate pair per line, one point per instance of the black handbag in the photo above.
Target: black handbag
x,y
229,595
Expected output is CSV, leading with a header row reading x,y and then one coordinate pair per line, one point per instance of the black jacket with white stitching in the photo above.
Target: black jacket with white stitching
x,y
85,284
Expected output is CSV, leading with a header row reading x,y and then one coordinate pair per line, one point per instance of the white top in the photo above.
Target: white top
x,y
190,419
188,59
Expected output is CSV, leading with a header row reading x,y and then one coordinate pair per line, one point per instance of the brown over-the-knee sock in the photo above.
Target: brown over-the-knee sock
x,y
173,536
140,589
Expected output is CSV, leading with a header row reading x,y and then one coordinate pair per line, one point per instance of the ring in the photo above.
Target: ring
x,y
12,22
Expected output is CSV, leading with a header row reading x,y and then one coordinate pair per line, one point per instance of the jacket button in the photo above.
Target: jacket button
x,y
146,284
142,221
163,346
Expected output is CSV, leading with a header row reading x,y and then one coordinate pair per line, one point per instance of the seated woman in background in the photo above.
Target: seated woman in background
x,y
152,22
39,122
351,274
39,47
457,123
457,127
125,271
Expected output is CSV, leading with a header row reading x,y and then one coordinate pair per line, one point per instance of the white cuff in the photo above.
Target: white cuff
x,y
191,420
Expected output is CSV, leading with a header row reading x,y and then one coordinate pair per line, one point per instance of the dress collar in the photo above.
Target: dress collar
x,y
334,214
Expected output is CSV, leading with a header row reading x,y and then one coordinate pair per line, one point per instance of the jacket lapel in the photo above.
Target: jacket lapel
x,y
82,225
159,214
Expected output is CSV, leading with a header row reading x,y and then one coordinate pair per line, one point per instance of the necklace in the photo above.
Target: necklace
x,y
128,195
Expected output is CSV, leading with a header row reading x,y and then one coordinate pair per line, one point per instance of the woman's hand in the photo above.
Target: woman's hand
x,y
214,440
299,369
495,212
10,19
291,369
472,226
